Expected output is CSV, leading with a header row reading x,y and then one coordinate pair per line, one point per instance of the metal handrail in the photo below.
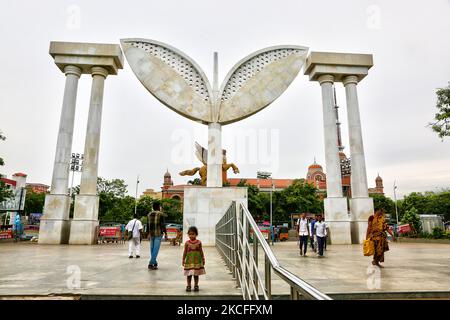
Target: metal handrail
x,y
241,258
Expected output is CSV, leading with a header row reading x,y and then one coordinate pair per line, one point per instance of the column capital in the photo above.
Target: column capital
x,y
350,79
326,78
72,70
100,71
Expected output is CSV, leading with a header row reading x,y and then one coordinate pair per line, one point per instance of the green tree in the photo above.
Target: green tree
x,y
116,187
380,201
34,202
441,124
144,206
5,191
416,200
195,182
122,209
440,204
2,138
172,210
411,216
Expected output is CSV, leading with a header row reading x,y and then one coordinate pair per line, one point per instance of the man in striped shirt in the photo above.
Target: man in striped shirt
x,y
156,229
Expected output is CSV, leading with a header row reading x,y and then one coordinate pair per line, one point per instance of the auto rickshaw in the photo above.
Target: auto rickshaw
x,y
283,233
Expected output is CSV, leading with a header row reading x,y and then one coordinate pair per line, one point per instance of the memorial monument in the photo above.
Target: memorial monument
x,y
180,84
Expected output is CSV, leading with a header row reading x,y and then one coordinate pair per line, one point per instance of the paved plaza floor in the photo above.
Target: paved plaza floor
x,y
105,270
409,268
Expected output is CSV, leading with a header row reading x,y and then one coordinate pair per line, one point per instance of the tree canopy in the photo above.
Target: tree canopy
x,y
299,197
5,191
380,201
427,203
441,123
34,202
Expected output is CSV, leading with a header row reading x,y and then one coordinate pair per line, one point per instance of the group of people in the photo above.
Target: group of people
x,y
193,259
314,230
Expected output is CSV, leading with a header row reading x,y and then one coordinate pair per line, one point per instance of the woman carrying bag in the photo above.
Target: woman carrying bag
x,y
376,239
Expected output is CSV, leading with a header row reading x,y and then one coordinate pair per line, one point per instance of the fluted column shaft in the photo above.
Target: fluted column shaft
x,y
359,174
92,143
61,170
332,161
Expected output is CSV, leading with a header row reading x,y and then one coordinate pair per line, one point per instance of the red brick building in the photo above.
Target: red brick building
x,y
171,191
37,187
315,175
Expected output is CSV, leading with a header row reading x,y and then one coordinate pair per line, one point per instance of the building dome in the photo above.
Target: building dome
x,y
378,178
167,174
315,165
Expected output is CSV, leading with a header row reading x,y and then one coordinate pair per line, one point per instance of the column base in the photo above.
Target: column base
x,y
53,231
336,216
84,232
361,209
84,226
55,225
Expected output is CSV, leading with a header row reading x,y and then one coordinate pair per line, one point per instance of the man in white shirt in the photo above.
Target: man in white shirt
x,y
134,227
303,233
320,230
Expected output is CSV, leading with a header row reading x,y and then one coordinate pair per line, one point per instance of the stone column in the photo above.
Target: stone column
x,y
215,156
54,228
335,204
85,221
361,205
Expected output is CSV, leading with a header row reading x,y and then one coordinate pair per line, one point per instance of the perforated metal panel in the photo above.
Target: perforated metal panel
x,y
183,67
251,68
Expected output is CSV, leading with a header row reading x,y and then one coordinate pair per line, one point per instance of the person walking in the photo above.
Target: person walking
x,y
193,259
312,233
156,229
303,234
133,232
326,236
320,230
376,230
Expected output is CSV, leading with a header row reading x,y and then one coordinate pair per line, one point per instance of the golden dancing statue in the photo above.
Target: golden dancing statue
x,y
202,155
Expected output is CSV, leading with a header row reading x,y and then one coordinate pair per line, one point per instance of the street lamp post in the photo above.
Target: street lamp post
x,y
395,202
135,199
265,176
76,165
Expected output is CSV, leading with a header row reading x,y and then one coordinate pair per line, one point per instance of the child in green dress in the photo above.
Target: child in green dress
x,y
193,259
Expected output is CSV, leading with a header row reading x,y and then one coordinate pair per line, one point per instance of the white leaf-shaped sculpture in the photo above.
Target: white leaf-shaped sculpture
x,y
171,76
179,83
257,80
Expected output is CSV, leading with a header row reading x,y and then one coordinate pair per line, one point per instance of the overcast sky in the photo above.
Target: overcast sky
x,y
410,41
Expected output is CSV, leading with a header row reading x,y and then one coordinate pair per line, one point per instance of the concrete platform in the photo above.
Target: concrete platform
x,y
416,270
31,270
36,270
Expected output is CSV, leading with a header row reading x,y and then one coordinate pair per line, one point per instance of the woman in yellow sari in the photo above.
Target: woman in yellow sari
x,y
376,230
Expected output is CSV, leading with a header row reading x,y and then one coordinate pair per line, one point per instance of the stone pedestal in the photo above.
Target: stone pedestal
x,y
362,209
336,216
55,223
85,221
84,232
204,207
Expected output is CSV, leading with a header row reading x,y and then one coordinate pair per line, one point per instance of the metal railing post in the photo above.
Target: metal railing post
x,y
268,277
255,267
